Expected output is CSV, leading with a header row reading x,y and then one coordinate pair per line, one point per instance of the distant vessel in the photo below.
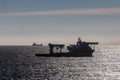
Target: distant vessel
x,y
78,50
34,44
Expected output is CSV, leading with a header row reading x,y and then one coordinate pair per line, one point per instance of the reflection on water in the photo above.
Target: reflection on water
x,y
20,63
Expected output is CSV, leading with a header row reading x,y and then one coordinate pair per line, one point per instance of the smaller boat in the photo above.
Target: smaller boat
x,y
79,50
34,44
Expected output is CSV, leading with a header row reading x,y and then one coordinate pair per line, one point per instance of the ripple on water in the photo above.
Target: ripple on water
x,y
20,62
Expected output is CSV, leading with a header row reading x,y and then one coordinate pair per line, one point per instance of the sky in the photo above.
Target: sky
x,y
23,22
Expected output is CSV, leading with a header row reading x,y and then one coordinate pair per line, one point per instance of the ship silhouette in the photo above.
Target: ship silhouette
x,y
77,50
35,44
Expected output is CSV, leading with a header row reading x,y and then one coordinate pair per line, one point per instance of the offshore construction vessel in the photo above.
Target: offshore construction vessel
x,y
78,50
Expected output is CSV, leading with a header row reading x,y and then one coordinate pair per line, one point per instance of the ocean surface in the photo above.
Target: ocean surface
x,y
20,63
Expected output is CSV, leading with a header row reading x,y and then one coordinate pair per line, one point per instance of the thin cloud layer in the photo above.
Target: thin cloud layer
x,y
67,12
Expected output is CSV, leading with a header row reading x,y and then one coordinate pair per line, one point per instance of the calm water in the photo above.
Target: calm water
x,y
20,63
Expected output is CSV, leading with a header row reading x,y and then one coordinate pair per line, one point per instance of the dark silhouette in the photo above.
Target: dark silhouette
x,y
79,42
78,50
58,46
34,44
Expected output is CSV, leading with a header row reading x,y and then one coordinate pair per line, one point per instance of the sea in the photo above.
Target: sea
x,y
20,63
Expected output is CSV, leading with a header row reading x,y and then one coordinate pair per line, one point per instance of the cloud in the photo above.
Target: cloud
x,y
106,11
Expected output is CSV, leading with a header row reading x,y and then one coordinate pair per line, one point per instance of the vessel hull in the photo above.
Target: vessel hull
x,y
82,54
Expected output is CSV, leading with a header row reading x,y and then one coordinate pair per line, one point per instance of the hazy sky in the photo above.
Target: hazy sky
x,y
59,21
